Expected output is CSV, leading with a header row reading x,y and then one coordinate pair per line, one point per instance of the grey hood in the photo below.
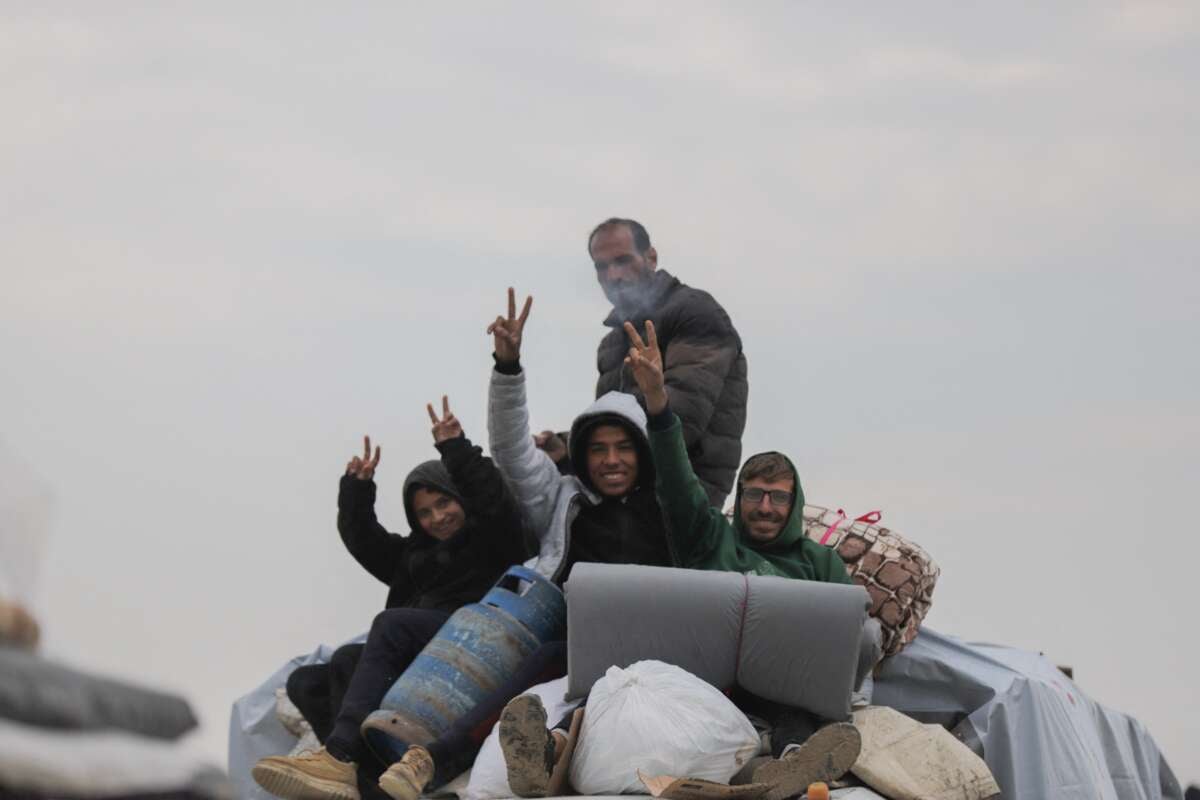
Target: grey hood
x,y
613,408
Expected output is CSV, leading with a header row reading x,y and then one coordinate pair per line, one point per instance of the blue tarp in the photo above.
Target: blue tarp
x,y
1039,733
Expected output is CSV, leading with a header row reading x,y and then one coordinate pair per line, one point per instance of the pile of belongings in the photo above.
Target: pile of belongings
x,y
66,734
943,719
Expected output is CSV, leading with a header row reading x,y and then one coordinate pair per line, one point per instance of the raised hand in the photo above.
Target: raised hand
x,y
448,427
364,468
645,362
552,443
506,332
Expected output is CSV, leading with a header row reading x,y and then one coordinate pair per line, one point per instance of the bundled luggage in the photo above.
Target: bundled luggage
x,y
898,574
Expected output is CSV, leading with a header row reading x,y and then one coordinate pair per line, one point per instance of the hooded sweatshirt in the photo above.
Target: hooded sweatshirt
x,y
573,522
703,538
421,571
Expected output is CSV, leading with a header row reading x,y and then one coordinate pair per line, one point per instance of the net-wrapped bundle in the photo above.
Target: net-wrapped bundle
x,y
897,573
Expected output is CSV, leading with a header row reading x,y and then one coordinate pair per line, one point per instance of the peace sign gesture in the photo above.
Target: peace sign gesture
x,y
645,362
448,427
364,468
506,333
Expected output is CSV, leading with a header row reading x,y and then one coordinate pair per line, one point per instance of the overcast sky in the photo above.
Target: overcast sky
x,y
960,245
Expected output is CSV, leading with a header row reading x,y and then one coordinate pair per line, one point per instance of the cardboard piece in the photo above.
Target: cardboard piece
x,y
558,776
668,787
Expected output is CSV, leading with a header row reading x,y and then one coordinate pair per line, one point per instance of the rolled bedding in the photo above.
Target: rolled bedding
x,y
794,642
39,692
40,763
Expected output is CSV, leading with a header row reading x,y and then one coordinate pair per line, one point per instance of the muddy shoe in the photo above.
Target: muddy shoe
x,y
407,778
825,756
311,776
527,745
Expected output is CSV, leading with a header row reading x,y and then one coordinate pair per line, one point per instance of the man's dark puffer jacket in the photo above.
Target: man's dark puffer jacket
x,y
705,371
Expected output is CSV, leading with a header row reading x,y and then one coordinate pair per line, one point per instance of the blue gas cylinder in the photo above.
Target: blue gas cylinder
x,y
480,647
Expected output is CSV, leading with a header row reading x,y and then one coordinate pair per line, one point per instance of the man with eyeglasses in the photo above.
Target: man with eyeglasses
x,y
766,537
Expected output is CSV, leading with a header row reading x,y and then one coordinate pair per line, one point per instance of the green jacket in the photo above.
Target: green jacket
x,y
704,539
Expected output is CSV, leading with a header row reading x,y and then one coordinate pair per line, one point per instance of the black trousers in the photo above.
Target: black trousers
x,y
318,689
396,637
785,724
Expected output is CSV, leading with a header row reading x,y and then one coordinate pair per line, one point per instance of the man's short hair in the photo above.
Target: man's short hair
x,y
641,238
767,467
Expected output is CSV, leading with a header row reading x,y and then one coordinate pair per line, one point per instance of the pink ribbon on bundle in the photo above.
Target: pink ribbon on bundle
x,y
871,517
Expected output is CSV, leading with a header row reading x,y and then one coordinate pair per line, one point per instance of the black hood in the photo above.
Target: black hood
x,y
429,475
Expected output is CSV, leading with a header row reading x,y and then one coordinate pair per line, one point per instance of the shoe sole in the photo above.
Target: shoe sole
x,y
523,741
293,785
826,756
397,788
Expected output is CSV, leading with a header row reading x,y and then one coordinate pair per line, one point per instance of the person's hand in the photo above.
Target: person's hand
x,y
506,333
364,468
552,443
645,362
448,427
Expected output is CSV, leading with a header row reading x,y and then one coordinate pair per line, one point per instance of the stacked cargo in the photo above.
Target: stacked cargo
x,y
65,733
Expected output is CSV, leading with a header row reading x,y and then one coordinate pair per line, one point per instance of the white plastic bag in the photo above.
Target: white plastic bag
x,y
489,775
662,720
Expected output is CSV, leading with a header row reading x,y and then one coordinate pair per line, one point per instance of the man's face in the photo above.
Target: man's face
x,y
612,461
439,514
620,268
764,520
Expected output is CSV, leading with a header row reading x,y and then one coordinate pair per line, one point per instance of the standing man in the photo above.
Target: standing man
x,y
704,365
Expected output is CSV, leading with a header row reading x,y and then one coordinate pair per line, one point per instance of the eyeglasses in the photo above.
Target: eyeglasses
x,y
779,497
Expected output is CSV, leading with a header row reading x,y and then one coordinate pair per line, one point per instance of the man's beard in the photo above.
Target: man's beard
x,y
769,516
632,299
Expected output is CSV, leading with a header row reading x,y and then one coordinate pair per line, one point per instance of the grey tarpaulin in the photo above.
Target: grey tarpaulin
x,y
254,730
790,641
1038,732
